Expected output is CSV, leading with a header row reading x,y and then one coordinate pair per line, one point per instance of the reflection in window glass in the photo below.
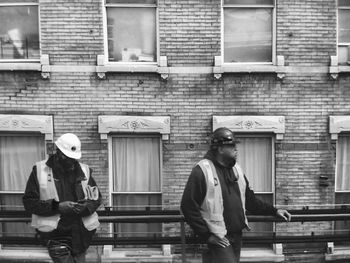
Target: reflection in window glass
x,y
131,34
247,35
344,26
19,32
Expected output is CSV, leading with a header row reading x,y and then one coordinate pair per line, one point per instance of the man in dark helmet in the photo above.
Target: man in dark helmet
x,y
216,197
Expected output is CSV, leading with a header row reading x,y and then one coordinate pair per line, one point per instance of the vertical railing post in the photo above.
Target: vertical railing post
x,y
183,241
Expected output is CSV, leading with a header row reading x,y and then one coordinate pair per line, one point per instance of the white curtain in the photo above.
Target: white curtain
x,y
343,164
254,156
136,164
17,157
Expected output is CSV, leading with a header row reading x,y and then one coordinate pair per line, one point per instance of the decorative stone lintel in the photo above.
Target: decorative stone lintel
x,y
338,124
45,66
133,124
245,123
27,123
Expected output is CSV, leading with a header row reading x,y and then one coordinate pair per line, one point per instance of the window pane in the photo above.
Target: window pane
x,y
255,158
18,154
344,3
131,34
343,164
261,227
19,32
344,26
342,198
137,202
14,202
248,2
247,35
17,157
136,164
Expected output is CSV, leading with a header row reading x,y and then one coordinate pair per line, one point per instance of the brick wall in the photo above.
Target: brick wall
x,y
189,33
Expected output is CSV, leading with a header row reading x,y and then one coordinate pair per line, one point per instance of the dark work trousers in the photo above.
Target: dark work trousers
x,y
60,252
230,254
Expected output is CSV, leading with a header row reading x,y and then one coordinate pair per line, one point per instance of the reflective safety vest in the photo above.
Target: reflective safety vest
x,y
212,209
48,190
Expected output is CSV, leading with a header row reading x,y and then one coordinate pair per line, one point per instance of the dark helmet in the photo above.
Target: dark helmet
x,y
223,136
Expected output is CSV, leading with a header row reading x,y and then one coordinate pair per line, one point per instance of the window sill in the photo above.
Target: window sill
x,y
220,68
28,255
339,253
14,66
104,67
260,255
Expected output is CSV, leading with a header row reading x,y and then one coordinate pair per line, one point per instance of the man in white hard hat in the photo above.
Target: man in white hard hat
x,y
63,198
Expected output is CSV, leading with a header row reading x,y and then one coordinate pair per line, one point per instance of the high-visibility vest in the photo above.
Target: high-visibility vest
x,y
212,208
47,190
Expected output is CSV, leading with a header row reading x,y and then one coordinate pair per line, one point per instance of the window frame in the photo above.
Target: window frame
x,y
112,193
27,124
341,44
25,3
105,33
273,32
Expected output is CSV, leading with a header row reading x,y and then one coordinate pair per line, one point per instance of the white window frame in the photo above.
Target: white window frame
x,y
26,124
255,125
112,125
24,3
346,44
273,7
125,66
338,125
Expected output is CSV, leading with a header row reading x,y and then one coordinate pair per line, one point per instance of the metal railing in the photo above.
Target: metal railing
x,y
174,216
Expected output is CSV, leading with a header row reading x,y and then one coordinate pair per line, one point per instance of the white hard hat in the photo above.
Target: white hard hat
x,y
70,145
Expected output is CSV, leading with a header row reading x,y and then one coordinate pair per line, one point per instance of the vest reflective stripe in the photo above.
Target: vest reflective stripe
x,y
48,190
212,209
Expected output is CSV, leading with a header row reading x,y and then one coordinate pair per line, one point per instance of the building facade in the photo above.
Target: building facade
x,y
144,82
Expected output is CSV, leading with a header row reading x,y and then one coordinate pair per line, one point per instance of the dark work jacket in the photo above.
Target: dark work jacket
x,y
68,185
196,190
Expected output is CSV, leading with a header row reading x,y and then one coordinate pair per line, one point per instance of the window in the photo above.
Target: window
x,y
255,156
343,31
131,30
19,30
18,154
248,31
342,180
136,165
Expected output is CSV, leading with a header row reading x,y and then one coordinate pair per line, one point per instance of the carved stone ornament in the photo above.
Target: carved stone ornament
x,y
338,124
134,124
243,123
27,123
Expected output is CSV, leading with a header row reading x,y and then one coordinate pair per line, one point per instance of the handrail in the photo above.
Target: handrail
x,y
175,216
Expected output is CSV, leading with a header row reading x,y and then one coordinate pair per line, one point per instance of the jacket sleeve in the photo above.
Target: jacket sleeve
x,y
192,199
254,205
31,198
92,205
